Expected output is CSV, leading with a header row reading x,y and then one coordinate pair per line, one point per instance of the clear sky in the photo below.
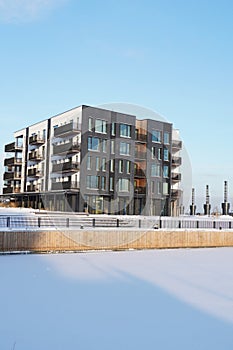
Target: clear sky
x,y
174,57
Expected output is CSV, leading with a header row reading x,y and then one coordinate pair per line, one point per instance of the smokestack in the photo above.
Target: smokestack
x,y
207,205
193,206
225,204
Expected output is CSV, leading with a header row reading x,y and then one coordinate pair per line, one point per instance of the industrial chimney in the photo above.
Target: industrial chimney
x,y
225,204
207,205
193,206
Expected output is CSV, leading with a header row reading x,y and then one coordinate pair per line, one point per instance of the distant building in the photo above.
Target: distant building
x,y
95,160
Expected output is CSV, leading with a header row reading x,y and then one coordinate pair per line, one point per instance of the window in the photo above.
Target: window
x,y
128,167
112,146
124,148
103,182
89,163
165,188
113,129
93,144
125,130
166,138
97,163
166,154
90,124
152,187
156,136
166,171
123,185
112,165
153,153
101,126
103,164
120,166
111,184
159,187
93,181
104,146
155,170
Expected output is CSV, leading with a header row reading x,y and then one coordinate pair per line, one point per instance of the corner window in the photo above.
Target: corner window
x,y
156,136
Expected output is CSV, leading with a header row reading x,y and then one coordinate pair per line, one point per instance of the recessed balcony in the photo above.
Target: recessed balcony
x,y
35,173
176,177
36,140
66,148
175,194
64,185
139,173
35,156
67,167
140,155
32,188
139,190
70,129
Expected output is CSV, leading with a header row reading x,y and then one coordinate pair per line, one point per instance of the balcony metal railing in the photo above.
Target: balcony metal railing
x,y
35,156
34,173
36,140
65,167
140,155
139,190
176,177
64,185
67,130
12,175
66,148
176,161
12,147
11,189
177,144
12,161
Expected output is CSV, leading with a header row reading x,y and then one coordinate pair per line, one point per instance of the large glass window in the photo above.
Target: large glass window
x,y
93,143
124,148
93,181
166,171
101,126
166,154
123,185
166,138
156,136
155,170
125,130
120,166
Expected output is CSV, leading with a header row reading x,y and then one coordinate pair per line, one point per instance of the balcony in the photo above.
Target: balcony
x,y
176,161
32,188
140,155
35,173
70,129
176,145
175,194
64,185
66,148
12,161
176,177
141,138
139,173
10,189
35,156
12,175
36,140
139,190
68,167
12,147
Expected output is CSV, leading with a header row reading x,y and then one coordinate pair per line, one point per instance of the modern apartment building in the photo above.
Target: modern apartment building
x,y
95,160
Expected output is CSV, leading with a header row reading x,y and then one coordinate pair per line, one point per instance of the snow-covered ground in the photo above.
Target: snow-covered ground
x,y
160,299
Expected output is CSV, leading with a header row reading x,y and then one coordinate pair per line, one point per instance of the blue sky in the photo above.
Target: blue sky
x,y
174,57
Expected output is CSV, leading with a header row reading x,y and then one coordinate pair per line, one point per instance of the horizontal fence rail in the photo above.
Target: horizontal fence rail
x,y
38,221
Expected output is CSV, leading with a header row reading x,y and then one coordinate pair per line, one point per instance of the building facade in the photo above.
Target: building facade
x,y
95,160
